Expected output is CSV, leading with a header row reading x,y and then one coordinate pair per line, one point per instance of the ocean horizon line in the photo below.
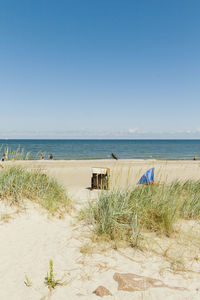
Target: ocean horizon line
x,y
102,148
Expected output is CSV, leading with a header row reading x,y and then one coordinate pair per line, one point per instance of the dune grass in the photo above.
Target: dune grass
x,y
18,154
18,184
125,215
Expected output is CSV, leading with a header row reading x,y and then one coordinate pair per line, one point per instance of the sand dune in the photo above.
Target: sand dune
x,y
31,238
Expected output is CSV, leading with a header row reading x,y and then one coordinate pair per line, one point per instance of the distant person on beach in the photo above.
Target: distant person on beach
x,y
114,156
195,158
42,156
4,157
50,156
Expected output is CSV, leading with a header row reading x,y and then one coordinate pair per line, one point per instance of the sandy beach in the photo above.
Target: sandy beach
x,y
75,175
30,238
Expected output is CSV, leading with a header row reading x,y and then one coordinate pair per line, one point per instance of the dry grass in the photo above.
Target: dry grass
x,y
5,218
86,248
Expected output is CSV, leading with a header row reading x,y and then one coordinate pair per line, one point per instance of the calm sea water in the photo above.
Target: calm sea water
x,y
102,149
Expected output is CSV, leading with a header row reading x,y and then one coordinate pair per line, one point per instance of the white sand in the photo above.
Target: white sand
x,y
31,238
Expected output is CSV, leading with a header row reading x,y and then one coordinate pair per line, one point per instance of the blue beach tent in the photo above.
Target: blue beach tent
x,y
148,177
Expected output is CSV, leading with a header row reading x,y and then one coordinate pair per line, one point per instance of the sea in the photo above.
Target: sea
x,y
101,149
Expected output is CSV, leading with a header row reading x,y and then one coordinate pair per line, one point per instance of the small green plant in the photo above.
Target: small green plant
x,y
49,280
27,282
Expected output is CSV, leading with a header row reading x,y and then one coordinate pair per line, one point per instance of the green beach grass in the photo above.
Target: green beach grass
x,y
125,215
18,154
18,184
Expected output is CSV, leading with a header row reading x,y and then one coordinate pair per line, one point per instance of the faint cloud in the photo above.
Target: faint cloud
x,y
133,130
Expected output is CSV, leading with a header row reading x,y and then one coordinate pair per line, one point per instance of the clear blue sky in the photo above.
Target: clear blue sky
x,y
100,68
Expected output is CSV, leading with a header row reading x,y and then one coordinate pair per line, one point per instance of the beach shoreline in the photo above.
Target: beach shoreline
x,y
101,149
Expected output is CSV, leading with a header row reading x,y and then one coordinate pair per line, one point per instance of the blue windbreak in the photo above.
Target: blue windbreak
x,y
148,177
